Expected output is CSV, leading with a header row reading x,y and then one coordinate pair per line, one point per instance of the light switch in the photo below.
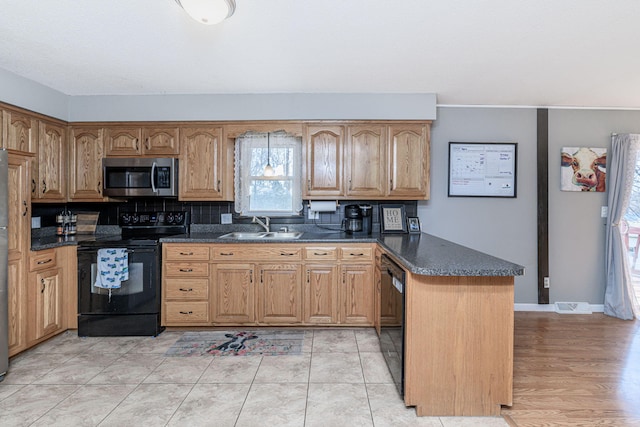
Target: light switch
x,y
604,211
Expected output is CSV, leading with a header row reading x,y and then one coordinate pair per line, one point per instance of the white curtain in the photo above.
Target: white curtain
x,y
619,299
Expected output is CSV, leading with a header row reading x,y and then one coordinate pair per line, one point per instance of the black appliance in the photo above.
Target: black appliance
x,y
140,177
392,335
134,308
352,221
367,218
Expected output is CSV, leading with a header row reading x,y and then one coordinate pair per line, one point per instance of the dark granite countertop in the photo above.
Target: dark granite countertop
x,y
420,253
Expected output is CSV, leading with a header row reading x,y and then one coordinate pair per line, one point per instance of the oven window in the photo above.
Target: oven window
x,y
134,285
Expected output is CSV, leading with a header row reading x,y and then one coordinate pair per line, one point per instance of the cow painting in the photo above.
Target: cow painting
x,y
584,169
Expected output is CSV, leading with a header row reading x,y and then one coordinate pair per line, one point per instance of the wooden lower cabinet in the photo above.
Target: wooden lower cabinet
x,y
45,296
17,307
280,293
356,294
185,285
233,296
260,284
321,294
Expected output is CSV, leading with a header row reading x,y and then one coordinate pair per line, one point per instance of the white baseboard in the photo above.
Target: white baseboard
x,y
595,308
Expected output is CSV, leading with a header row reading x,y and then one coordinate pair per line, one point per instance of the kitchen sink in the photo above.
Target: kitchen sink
x,y
272,235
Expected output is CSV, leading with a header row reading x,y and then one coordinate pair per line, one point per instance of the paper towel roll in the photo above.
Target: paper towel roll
x,y
322,206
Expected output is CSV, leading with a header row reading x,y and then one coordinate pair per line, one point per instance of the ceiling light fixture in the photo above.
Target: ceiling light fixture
x,y
208,12
268,170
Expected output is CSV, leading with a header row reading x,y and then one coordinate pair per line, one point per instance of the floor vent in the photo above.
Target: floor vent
x,y
573,308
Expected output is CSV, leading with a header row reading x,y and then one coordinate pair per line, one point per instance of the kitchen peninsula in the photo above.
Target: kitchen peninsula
x,y
459,312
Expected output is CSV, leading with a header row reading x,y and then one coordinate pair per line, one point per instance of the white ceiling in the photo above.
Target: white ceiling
x,y
581,53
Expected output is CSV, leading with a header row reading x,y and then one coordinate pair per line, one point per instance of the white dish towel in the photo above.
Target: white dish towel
x,y
113,268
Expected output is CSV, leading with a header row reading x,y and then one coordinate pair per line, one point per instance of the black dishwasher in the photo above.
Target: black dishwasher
x,y
392,304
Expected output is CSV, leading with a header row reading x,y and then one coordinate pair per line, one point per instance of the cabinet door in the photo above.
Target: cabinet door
x,y
409,161
86,164
366,160
47,289
17,306
356,294
52,163
200,164
233,293
123,141
160,141
321,294
18,204
19,131
280,293
323,161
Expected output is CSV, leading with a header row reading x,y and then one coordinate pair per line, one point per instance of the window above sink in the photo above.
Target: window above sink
x,y
257,193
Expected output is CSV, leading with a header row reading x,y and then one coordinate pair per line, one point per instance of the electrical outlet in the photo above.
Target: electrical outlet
x,y
314,214
546,283
226,218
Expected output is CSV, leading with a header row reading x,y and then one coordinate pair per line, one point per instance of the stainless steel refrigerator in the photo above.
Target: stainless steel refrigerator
x,y
4,315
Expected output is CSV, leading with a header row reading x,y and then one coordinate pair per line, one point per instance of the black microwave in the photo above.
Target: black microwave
x,y
140,177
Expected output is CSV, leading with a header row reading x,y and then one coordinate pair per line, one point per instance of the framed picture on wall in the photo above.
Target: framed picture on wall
x,y
393,219
481,169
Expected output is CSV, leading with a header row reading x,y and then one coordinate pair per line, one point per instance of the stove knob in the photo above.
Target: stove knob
x,y
170,218
135,218
179,217
126,218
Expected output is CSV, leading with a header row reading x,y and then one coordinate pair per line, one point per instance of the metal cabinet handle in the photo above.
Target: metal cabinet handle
x,y
99,187
148,143
137,145
186,290
286,254
186,312
33,185
186,253
218,186
26,208
320,253
226,253
43,285
44,186
45,262
352,254
186,270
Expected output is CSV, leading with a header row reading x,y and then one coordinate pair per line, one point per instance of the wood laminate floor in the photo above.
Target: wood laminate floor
x,y
575,370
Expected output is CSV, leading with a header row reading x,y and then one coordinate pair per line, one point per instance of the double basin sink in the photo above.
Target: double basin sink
x,y
264,235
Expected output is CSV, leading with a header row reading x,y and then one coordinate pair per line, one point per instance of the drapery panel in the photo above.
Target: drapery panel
x,y
619,299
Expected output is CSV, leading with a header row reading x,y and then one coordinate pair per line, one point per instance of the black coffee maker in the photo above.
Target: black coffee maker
x,y
367,218
352,221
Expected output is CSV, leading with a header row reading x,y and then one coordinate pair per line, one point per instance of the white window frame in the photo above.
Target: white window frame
x,y
243,181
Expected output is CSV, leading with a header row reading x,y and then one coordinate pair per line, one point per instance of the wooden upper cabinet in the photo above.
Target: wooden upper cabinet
x,y
323,161
366,160
51,172
160,141
123,141
200,164
408,161
19,131
86,152
131,141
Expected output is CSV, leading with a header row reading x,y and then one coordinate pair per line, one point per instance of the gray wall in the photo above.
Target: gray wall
x,y
25,93
505,228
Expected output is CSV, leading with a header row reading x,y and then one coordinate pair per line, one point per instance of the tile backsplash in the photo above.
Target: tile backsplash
x,y
203,212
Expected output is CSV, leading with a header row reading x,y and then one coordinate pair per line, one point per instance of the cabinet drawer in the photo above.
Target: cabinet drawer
x,y
186,289
262,252
40,260
187,312
355,253
186,269
320,253
186,253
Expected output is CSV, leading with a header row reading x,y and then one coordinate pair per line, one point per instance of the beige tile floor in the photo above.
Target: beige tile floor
x,y
340,379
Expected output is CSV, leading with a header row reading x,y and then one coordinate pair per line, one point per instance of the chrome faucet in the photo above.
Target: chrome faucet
x,y
264,224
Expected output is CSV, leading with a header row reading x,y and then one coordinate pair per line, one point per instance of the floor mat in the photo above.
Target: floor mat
x,y
238,343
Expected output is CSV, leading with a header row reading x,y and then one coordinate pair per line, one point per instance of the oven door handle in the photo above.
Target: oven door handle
x,y
153,177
